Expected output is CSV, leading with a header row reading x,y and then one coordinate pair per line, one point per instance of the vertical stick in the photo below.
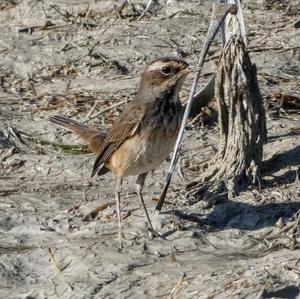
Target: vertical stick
x,y
219,13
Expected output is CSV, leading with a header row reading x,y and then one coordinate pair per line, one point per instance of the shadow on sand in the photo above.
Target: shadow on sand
x,y
281,161
245,216
240,215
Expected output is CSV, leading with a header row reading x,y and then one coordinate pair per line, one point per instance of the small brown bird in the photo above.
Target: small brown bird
x,y
144,134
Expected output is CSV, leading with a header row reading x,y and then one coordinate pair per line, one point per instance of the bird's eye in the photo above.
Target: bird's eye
x,y
166,70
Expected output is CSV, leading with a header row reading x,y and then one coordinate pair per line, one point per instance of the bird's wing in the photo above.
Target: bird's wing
x,y
126,126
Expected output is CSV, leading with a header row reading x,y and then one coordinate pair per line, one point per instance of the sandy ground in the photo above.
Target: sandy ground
x,y
78,58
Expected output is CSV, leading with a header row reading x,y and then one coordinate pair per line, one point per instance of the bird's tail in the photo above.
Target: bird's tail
x,y
94,137
68,124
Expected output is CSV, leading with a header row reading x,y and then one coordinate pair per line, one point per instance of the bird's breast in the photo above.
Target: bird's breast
x,y
149,147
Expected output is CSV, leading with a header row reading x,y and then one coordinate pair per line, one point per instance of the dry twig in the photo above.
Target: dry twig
x,y
178,284
94,213
146,10
113,106
54,261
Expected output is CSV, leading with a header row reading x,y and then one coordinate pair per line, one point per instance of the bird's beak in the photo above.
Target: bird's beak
x,y
188,70
192,69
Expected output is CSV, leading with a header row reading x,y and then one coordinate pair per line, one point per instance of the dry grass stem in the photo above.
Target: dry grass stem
x,y
178,285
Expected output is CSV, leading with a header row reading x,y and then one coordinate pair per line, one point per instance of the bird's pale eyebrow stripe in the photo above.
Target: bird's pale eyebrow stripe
x,y
157,65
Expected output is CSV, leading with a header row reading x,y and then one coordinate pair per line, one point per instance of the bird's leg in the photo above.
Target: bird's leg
x,y
139,188
119,212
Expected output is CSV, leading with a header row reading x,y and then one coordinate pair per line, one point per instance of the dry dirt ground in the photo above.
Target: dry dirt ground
x,y
82,59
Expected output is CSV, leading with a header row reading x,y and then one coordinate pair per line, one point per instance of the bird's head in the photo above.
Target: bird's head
x,y
163,76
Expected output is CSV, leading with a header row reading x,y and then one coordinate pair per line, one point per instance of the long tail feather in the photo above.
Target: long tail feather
x,y
94,137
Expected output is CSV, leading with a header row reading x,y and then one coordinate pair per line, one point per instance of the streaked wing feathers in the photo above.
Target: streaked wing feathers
x,y
125,127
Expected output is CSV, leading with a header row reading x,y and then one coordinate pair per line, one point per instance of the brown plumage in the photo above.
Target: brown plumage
x,y
145,132
94,137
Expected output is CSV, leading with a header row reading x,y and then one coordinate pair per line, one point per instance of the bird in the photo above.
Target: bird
x,y
93,136
145,132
